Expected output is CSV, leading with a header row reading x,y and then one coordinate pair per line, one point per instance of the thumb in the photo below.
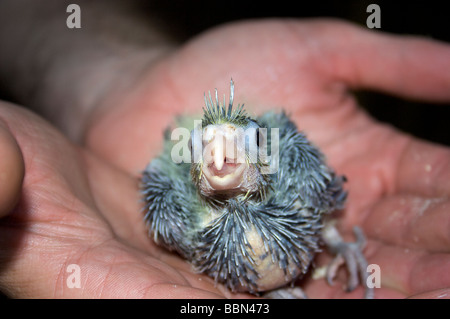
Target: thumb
x,y
12,170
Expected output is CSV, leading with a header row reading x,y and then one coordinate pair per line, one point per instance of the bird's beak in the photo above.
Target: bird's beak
x,y
219,152
224,165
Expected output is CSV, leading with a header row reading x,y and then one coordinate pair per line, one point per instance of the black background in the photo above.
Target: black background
x,y
186,18
425,18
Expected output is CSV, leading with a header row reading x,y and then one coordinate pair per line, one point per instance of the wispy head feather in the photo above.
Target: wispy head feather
x,y
214,113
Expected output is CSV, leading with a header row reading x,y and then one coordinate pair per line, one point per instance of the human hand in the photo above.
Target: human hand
x,y
398,185
76,209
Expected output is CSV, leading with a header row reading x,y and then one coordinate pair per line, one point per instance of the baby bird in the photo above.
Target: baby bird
x,y
249,219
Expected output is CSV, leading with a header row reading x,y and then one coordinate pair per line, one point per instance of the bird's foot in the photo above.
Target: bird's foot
x,y
351,254
286,293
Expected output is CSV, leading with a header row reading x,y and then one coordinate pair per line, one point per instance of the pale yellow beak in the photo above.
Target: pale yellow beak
x,y
224,164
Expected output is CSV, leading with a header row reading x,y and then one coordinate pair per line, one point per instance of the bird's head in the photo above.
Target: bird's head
x,y
226,153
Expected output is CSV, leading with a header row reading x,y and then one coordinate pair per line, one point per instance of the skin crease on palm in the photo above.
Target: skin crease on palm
x,y
81,204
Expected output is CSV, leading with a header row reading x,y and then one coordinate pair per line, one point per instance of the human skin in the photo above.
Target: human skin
x,y
398,185
80,202
75,208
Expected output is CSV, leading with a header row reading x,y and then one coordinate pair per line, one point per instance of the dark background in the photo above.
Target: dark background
x,y
426,18
431,18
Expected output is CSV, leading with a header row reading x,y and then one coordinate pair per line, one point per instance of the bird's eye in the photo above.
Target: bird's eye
x,y
257,137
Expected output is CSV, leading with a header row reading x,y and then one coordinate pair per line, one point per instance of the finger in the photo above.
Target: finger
x,y
430,273
411,271
411,221
434,294
12,170
424,169
411,66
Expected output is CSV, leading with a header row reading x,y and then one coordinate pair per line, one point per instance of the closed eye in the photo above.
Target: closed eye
x,y
257,137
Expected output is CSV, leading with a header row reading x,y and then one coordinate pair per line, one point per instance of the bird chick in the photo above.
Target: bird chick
x,y
250,220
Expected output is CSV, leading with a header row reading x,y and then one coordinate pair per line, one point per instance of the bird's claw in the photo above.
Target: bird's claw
x,y
351,254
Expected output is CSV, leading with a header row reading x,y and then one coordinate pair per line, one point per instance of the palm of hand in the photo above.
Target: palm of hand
x,y
398,186
77,209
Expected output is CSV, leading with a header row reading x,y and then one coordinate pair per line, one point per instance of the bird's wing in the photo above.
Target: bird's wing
x,y
303,174
171,203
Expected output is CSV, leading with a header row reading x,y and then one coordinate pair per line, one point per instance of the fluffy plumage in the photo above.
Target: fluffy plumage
x,y
250,239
